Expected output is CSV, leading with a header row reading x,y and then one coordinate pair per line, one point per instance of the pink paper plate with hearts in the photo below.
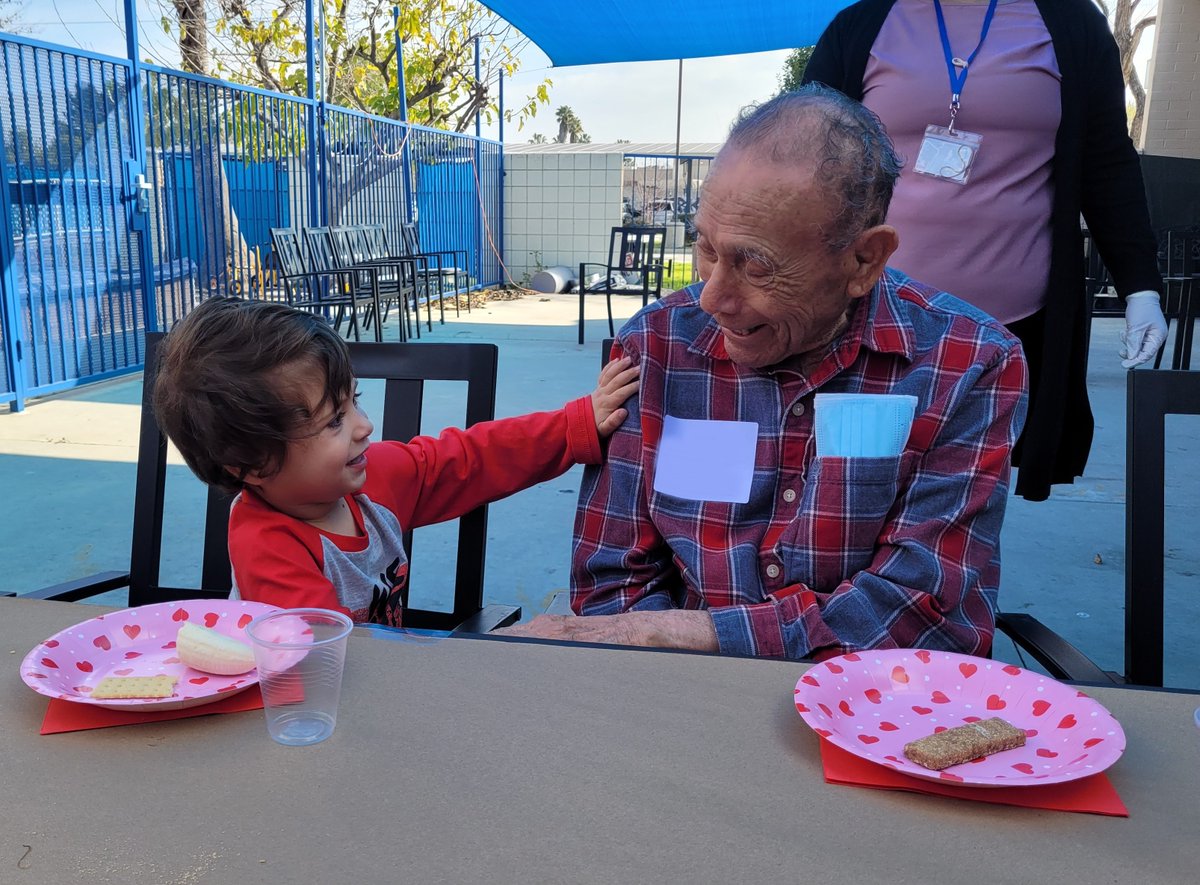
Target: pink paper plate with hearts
x,y
139,642
873,703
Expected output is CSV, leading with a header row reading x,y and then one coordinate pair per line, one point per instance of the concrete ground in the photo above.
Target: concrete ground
x,y
67,470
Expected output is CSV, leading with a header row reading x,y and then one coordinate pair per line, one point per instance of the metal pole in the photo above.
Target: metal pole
x,y
313,127
321,131
478,174
678,124
136,167
500,181
500,96
402,100
478,77
10,310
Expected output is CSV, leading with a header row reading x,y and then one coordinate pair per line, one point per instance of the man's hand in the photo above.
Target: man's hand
x,y
618,382
669,629
1145,329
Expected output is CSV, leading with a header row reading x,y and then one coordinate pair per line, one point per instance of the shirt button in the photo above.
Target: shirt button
x,y
772,571
798,409
789,495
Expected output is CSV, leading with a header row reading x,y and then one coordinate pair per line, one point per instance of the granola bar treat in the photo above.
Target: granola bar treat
x,y
964,743
123,687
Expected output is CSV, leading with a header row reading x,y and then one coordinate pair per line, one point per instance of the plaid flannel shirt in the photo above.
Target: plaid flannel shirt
x,y
829,554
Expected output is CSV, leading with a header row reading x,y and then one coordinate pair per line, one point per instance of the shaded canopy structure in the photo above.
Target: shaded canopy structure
x,y
601,31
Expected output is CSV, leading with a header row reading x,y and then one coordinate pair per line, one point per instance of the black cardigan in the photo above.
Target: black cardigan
x,y
1095,172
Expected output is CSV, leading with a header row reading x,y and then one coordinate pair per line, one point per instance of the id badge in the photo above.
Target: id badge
x,y
947,154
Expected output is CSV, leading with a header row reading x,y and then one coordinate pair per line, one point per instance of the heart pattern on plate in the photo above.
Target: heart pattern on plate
x,y
138,642
873,703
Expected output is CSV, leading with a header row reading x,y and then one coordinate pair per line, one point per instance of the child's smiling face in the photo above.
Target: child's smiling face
x,y
325,461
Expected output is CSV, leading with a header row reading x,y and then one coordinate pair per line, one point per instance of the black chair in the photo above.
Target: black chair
x,y
405,368
360,290
421,277
635,266
319,289
606,351
450,264
1151,396
389,280
1098,283
1180,267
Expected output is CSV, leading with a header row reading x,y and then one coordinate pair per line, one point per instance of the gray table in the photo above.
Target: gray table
x,y
475,761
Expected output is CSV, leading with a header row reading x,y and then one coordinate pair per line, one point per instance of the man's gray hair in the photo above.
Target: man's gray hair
x,y
855,161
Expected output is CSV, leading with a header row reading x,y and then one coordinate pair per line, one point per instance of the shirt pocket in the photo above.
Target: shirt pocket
x,y
843,507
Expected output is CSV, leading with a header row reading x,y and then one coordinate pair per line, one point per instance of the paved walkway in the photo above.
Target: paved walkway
x,y
67,468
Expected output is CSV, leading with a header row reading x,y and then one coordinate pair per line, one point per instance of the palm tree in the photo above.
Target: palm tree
x,y
570,129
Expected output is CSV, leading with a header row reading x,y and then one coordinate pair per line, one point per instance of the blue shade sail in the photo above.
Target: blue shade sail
x,y
596,31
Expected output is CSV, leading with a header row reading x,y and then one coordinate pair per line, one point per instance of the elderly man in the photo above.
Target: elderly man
x,y
828,554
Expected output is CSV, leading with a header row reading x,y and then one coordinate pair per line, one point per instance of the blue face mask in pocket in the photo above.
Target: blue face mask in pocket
x,y
862,425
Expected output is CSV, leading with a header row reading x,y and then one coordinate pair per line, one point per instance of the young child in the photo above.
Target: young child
x,y
260,399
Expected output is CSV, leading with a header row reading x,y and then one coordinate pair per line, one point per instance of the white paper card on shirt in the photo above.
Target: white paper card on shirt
x,y
706,460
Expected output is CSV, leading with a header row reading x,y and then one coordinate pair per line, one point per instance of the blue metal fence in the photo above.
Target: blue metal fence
x,y
73,299
224,164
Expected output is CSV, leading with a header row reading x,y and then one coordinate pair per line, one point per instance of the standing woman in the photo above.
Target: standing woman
x,y
1010,115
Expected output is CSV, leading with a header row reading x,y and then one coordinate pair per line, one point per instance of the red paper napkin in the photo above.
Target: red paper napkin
x,y
1091,795
64,716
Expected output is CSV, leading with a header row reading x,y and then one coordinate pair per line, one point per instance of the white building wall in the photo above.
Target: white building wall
x,y
1172,124
559,209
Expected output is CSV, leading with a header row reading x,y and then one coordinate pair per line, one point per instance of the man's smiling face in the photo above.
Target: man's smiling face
x,y
770,281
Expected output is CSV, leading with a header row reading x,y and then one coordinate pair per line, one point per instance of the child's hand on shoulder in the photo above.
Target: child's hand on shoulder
x,y
618,382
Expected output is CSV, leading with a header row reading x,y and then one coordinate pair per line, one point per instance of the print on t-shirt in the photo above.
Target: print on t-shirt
x,y
388,597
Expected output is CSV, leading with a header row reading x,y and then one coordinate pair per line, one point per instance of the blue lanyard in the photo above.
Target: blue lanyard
x,y
956,67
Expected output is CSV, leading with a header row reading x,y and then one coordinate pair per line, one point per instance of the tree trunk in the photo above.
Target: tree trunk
x,y
227,256
1128,35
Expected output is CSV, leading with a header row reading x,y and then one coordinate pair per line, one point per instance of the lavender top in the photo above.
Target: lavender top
x,y
988,241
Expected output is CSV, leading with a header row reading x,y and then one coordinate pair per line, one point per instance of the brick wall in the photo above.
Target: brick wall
x,y
1172,125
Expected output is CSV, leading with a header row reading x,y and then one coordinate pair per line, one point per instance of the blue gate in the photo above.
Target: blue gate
x,y
73,296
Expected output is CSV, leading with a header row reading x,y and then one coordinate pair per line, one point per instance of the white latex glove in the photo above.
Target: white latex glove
x,y
1145,329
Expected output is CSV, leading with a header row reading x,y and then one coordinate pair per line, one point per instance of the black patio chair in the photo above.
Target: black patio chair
x,y
1180,267
1150,397
451,264
320,289
1102,302
361,284
385,249
635,266
390,280
405,369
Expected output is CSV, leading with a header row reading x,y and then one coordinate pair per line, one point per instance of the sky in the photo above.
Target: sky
x,y
634,101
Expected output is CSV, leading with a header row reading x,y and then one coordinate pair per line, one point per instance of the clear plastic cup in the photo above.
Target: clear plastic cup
x,y
300,654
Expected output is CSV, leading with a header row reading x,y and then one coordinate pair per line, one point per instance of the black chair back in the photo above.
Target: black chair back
x,y
404,368
321,249
1151,396
288,249
1180,265
148,497
637,250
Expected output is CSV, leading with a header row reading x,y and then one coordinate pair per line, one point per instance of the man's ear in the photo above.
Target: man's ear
x,y
870,253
